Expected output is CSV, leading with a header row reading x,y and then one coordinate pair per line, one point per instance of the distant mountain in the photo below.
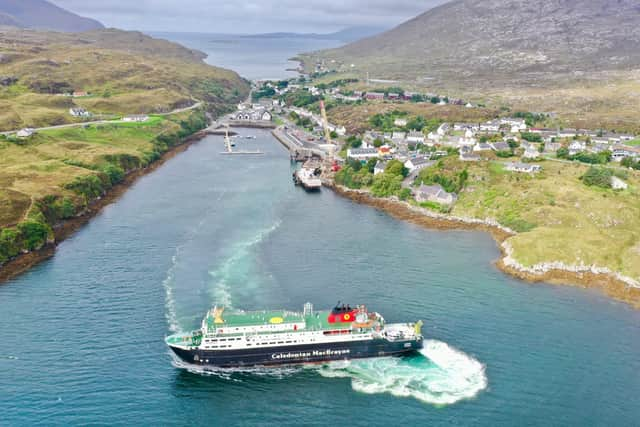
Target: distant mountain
x,y
504,39
43,15
347,35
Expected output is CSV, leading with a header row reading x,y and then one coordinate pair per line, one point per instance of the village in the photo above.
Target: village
x,y
396,136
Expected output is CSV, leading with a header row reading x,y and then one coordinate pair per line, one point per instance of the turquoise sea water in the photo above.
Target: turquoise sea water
x,y
83,332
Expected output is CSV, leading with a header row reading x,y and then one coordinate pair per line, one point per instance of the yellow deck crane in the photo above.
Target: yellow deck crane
x,y
327,136
325,122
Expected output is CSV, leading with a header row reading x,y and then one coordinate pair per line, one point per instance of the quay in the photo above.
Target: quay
x,y
299,150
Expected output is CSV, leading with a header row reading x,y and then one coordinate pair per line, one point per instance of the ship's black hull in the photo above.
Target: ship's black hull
x,y
299,354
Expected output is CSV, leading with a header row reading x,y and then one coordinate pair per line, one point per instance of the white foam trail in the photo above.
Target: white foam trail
x,y
169,301
223,275
167,283
443,376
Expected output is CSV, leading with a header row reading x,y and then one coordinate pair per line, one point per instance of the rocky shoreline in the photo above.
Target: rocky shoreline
x,y
66,228
613,284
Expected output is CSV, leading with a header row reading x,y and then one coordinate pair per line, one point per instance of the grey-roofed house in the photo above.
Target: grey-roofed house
x,y
500,146
417,163
380,167
482,146
25,133
552,147
362,153
415,136
522,167
469,157
434,193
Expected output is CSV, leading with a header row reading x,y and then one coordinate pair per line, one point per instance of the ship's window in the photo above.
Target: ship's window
x,y
280,342
273,342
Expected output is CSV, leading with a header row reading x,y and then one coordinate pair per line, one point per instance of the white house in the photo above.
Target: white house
x,y
415,137
362,153
400,122
531,152
522,167
79,112
517,125
417,163
576,147
253,115
490,126
567,133
481,146
138,118
621,151
500,146
380,167
398,137
435,193
25,133
443,129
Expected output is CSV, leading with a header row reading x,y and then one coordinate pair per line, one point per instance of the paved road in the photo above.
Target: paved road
x,y
101,122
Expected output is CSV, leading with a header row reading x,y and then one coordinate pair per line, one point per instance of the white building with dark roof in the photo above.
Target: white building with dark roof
x,y
436,194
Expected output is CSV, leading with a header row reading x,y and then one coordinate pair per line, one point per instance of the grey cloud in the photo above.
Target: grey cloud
x,y
249,16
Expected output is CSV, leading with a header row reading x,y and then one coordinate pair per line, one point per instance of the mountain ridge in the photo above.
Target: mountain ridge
x,y
43,15
474,38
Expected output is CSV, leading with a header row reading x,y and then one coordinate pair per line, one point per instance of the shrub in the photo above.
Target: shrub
x,y
114,173
33,234
386,184
531,137
404,194
9,244
599,177
89,186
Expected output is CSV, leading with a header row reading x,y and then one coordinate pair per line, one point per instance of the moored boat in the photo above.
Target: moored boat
x,y
267,338
307,178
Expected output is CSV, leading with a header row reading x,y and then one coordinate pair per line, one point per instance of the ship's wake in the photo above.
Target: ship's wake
x,y
236,268
169,281
440,375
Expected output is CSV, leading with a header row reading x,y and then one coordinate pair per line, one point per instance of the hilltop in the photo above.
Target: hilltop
x,y
43,15
121,73
51,179
515,51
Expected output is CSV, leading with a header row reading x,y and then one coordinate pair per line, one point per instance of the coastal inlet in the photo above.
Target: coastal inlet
x,y
207,229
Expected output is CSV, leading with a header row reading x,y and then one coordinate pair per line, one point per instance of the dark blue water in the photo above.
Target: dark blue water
x,y
252,57
83,333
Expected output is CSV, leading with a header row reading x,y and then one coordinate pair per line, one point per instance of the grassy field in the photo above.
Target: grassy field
x,y
125,73
559,217
43,164
608,100
355,118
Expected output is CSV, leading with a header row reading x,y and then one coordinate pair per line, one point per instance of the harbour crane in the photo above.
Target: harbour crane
x,y
327,136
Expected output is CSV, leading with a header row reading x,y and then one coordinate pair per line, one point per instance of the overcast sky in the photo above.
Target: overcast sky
x,y
249,16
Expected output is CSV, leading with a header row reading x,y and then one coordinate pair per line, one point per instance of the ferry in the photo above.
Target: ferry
x,y
307,178
230,339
